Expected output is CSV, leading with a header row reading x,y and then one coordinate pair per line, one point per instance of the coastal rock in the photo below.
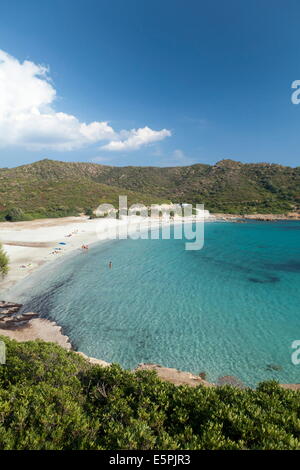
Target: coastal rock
x,y
93,360
4,304
177,377
16,321
272,217
242,218
37,328
9,308
9,311
230,380
294,387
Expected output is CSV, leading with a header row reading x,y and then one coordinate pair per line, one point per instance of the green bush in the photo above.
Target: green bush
x,y
53,399
3,262
15,214
89,212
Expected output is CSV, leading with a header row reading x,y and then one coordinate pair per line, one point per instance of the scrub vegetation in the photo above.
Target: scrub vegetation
x,y
54,399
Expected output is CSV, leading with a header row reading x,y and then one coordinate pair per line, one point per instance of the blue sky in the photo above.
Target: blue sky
x,y
169,82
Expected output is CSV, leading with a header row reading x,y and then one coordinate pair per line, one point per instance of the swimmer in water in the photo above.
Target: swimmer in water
x,y
110,265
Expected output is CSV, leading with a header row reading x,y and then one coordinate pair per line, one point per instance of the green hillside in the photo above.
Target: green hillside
x,y
54,399
58,189
51,188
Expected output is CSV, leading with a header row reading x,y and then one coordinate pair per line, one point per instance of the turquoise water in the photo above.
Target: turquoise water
x,y
231,308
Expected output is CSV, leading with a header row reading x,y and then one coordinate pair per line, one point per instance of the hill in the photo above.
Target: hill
x,y
57,189
54,399
52,188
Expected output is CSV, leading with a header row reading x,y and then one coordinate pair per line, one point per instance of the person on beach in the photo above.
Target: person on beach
x,y
110,265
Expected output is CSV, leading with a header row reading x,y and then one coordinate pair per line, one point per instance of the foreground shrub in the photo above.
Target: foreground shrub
x,y
53,399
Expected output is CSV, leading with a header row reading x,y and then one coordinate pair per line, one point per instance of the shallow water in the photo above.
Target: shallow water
x,y
231,308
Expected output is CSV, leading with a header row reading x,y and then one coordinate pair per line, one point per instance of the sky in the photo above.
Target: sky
x,y
149,82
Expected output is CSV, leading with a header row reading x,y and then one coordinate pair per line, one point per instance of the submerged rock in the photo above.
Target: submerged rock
x,y
273,367
270,279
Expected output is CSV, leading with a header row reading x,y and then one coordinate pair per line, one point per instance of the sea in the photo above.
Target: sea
x,y
231,308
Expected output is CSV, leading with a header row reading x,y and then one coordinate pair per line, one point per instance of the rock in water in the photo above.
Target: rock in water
x,y
273,367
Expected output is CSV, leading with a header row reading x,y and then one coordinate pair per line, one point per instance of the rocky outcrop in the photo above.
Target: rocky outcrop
x,y
93,360
294,387
9,317
230,380
239,218
17,320
8,308
177,377
37,329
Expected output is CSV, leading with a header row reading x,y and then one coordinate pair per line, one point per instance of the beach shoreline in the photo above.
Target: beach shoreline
x,y
32,245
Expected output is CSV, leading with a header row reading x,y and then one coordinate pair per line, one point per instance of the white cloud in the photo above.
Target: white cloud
x,y
136,138
28,118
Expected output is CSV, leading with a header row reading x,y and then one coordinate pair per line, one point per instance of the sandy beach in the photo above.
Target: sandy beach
x,y
31,244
